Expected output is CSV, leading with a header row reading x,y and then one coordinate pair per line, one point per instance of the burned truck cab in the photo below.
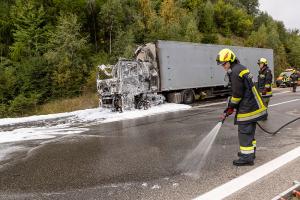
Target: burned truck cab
x,y
132,83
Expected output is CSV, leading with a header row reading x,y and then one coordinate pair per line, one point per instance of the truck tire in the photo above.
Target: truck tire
x,y
188,96
143,104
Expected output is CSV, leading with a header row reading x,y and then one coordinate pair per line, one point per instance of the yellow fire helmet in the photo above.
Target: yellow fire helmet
x,y
225,55
262,60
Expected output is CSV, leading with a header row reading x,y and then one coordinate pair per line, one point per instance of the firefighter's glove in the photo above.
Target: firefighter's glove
x,y
228,111
264,92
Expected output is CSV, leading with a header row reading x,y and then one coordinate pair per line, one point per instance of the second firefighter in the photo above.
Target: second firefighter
x,y
264,81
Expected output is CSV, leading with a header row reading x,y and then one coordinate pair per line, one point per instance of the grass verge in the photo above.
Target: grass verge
x,y
67,105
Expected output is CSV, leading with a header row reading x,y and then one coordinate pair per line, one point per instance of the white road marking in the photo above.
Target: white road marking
x,y
223,102
276,104
219,103
242,181
211,104
275,94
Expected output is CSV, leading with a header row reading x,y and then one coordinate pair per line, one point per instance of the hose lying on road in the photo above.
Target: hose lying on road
x,y
275,132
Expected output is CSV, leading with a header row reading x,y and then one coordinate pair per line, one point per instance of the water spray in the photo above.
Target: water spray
x,y
195,160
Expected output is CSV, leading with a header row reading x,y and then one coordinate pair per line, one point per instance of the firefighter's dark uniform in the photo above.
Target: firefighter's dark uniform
x,y
294,80
264,83
249,109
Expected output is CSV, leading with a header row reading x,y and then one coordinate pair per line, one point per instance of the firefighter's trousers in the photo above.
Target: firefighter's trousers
x,y
246,133
294,85
266,101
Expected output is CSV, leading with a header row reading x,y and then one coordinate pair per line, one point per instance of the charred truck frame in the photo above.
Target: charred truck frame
x,y
178,72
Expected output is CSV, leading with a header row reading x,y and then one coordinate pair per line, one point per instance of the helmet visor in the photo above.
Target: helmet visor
x,y
218,61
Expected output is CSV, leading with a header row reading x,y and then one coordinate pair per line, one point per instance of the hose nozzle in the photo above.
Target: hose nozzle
x,y
223,117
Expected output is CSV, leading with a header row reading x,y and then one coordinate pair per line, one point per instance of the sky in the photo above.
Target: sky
x,y
287,11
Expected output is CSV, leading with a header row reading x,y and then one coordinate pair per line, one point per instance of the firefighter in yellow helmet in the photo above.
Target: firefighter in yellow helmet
x,y
294,80
247,102
264,81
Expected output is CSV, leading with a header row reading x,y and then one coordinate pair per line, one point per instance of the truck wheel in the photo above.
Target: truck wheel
x,y
143,104
188,96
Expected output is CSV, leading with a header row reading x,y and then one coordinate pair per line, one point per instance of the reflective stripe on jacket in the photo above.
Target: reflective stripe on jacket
x,y
245,97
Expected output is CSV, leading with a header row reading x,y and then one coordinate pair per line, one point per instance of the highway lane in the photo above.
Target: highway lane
x,y
138,159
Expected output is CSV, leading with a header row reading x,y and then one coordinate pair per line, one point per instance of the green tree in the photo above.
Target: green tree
x,y
207,23
6,26
242,23
8,81
168,12
171,21
145,21
69,6
111,16
92,10
251,6
274,43
146,12
273,36
124,44
268,37
67,56
91,21
280,62
294,50
21,104
223,13
260,19
30,32
283,35
192,34
230,19
259,38
30,38
34,77
192,4
3,110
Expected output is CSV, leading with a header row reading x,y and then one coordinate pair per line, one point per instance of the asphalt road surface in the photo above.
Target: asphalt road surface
x,y
139,158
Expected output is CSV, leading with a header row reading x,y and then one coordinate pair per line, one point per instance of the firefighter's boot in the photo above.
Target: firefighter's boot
x,y
244,160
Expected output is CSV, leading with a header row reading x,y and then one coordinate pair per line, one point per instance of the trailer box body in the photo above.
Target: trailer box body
x,y
184,65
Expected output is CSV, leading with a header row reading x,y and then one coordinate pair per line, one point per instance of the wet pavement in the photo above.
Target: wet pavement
x,y
139,158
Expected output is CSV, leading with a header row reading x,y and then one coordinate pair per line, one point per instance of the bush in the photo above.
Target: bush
x,y
22,104
3,111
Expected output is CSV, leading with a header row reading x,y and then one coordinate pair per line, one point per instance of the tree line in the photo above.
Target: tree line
x,y
49,48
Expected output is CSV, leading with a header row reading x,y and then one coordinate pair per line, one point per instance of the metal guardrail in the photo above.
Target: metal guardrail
x,y
294,191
